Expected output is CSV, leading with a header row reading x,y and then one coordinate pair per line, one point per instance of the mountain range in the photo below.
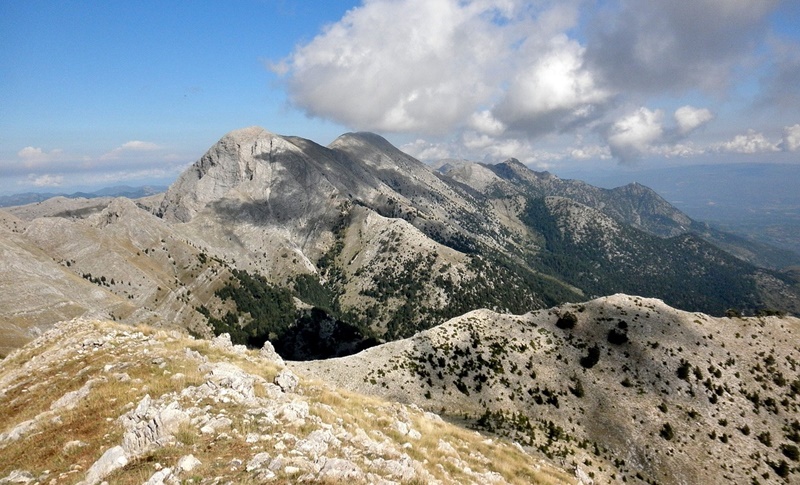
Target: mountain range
x,y
756,200
116,191
359,247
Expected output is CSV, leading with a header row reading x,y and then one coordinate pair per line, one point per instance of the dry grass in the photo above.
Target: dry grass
x,y
94,420
373,414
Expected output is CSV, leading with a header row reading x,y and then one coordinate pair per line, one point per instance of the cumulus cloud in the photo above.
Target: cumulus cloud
x,y
401,66
33,155
46,180
485,122
749,143
690,118
500,76
137,145
590,152
552,90
791,138
632,136
427,151
128,147
675,45
431,66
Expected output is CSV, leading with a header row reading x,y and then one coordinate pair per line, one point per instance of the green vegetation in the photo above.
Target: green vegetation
x,y
567,321
685,271
309,289
666,432
270,309
592,358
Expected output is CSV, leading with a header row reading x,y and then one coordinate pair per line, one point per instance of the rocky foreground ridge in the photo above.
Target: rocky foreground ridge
x,y
95,401
627,388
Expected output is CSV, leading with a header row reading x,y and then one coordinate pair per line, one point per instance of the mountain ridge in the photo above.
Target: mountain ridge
x,y
295,213
630,388
462,291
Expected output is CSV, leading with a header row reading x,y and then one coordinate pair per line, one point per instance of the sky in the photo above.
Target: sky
x,y
96,94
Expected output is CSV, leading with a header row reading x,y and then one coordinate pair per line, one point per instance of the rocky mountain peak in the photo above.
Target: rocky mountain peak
x,y
375,151
514,169
241,157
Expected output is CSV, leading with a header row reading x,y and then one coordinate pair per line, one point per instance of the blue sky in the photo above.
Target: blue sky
x,y
96,94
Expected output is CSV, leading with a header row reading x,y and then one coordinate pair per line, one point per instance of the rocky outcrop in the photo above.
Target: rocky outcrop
x,y
166,408
627,387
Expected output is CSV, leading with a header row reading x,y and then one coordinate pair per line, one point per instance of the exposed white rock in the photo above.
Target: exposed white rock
x,y
294,412
259,460
268,352
159,477
71,399
188,463
287,381
151,425
18,476
340,470
113,459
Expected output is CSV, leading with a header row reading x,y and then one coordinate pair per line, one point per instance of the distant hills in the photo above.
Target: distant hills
x,y
757,200
116,191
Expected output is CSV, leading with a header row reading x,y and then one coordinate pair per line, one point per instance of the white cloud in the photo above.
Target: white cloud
x,y
791,138
633,135
591,152
128,147
46,180
427,151
690,118
552,90
432,66
30,153
496,149
137,145
485,122
401,66
749,143
681,150
33,155
501,76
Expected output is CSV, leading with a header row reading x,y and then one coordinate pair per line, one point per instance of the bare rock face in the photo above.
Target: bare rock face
x,y
247,164
113,459
287,381
150,426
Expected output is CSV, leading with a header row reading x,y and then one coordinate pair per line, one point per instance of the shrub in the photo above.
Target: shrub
x,y
684,370
567,321
790,451
781,468
577,389
617,337
666,432
592,358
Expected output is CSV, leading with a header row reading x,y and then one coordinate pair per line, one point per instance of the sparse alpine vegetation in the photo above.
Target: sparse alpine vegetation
x,y
92,402
623,388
